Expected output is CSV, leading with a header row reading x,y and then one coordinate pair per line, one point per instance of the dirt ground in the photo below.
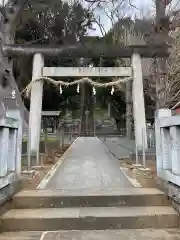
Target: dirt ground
x,y
32,179
147,179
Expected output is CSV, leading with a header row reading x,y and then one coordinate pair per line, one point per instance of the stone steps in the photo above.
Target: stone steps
x,y
89,218
87,131
125,234
90,214
87,209
87,134
89,198
21,235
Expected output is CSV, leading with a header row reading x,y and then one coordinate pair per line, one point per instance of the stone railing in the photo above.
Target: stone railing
x,y
10,160
168,146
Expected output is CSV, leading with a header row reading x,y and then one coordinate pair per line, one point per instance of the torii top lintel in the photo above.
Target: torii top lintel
x,y
88,50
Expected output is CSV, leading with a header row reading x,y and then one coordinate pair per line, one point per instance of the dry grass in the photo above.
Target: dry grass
x,y
31,181
147,179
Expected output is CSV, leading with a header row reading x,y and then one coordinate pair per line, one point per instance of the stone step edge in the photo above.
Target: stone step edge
x,y
89,193
80,212
102,234
90,219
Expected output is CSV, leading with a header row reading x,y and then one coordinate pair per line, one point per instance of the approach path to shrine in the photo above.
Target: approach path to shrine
x,y
88,165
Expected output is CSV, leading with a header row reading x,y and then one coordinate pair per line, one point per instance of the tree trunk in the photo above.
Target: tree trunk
x,y
129,109
160,65
87,110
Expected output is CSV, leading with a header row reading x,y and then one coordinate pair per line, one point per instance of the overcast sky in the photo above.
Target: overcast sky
x,y
144,6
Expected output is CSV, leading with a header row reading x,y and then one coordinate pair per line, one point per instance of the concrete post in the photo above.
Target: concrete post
x,y
12,150
166,148
4,141
161,113
138,103
17,115
36,104
175,153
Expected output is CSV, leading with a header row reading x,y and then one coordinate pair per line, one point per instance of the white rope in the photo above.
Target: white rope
x,y
79,81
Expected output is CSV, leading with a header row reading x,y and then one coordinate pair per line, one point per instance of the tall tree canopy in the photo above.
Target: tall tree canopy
x,y
50,22
53,22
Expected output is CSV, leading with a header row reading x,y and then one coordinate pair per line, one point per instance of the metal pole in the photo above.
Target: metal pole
x,y
60,139
150,138
137,157
63,138
37,153
86,124
29,149
94,116
79,128
70,133
143,149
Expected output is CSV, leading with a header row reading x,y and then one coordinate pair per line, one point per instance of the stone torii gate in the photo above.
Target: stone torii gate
x,y
37,90
78,51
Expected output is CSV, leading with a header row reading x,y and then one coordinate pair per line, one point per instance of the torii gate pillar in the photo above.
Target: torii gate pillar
x,y
36,105
138,103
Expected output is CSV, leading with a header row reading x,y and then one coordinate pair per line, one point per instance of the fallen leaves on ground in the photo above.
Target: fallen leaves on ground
x,y
147,179
31,179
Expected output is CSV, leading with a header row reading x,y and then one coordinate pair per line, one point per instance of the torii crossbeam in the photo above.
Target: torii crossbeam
x,y
88,50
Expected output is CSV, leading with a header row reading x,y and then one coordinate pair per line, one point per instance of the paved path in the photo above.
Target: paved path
x,y
120,147
123,147
89,164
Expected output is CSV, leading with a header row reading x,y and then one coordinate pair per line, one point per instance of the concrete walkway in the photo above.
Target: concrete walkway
x,y
120,147
123,148
89,164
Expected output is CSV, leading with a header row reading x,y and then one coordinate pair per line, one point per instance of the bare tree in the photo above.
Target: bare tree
x,y
173,85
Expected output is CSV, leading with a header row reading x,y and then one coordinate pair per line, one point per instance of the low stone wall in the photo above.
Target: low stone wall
x,y
8,191
172,191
